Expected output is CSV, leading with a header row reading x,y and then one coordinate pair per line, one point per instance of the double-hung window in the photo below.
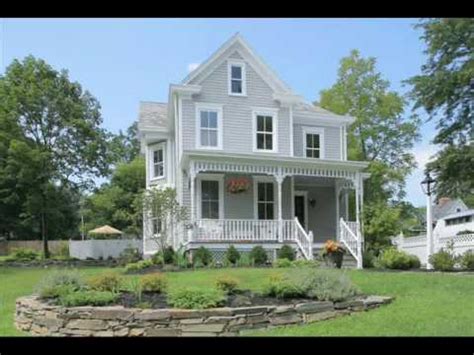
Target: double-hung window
x,y
313,140
157,167
265,200
209,126
156,226
237,83
265,127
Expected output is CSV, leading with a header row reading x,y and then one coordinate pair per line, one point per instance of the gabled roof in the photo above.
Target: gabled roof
x,y
447,206
256,61
152,115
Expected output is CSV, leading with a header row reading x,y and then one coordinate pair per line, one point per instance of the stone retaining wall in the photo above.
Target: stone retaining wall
x,y
39,318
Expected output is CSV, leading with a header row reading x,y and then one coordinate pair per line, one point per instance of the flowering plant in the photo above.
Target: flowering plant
x,y
334,251
238,185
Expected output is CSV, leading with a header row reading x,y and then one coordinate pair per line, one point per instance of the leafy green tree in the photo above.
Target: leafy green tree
x,y
115,203
55,121
445,89
163,211
124,147
382,134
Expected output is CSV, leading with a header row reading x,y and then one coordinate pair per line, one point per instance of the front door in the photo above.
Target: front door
x,y
301,209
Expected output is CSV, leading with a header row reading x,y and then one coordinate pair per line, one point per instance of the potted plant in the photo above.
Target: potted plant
x,y
334,252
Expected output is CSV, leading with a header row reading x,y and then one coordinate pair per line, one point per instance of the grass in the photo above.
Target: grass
x,y
435,304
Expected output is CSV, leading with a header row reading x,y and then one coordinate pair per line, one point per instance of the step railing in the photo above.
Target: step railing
x,y
351,238
303,240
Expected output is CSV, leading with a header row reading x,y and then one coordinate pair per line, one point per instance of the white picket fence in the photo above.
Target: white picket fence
x,y
417,245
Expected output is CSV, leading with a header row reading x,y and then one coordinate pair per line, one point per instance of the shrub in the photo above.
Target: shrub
x,y
282,287
63,251
244,260
24,254
326,285
258,255
88,298
443,260
286,252
227,284
304,263
467,260
138,266
135,286
368,259
191,298
232,255
181,260
414,262
166,256
282,263
391,258
129,255
156,282
58,283
466,231
109,281
203,255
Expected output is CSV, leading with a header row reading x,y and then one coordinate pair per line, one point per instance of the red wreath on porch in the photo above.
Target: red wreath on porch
x,y
238,185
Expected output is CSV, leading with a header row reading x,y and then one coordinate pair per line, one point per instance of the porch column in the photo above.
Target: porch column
x,y
358,192
192,176
279,180
337,190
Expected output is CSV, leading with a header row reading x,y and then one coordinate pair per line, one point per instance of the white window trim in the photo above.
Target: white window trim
x,y
265,112
209,107
154,148
305,197
256,180
320,132
210,177
240,64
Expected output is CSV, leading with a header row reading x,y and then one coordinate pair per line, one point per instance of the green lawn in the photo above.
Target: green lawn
x,y
426,304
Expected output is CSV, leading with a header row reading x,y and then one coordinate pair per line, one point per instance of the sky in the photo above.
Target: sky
x,y
124,61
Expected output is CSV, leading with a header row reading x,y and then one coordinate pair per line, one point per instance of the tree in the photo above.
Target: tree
x,y
123,148
115,203
56,122
445,89
164,212
381,134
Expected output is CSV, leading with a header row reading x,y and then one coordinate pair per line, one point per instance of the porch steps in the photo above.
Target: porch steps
x,y
348,262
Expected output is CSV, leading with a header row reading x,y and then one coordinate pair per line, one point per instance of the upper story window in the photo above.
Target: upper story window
x,y
209,126
237,82
265,131
313,140
157,166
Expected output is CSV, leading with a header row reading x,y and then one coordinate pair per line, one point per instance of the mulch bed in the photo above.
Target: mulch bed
x,y
243,298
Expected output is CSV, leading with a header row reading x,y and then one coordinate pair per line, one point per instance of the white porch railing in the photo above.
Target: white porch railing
x,y
251,230
350,236
304,240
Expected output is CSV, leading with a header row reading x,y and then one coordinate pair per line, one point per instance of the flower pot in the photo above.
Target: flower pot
x,y
336,258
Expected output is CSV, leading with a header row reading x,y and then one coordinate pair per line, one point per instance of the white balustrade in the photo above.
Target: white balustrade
x,y
351,238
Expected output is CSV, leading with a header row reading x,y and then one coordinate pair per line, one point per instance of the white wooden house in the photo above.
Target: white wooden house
x,y
254,163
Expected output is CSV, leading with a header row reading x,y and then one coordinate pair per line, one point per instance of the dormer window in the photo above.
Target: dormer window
x,y
237,84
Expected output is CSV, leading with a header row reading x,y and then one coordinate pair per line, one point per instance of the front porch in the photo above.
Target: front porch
x,y
285,202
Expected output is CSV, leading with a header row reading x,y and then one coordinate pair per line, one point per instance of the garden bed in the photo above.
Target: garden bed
x,y
44,319
59,263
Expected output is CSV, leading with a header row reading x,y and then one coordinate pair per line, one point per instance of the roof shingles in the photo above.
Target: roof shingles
x,y
152,115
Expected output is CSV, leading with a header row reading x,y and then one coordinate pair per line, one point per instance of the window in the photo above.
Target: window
x,y
157,169
209,131
210,199
237,85
313,140
265,131
265,200
156,226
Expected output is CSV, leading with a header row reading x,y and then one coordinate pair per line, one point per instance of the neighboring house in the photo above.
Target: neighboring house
x,y
452,224
447,206
254,163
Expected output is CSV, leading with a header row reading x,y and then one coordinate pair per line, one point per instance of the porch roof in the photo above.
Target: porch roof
x,y
271,164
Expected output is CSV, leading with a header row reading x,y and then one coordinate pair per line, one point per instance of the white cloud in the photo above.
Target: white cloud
x,y
192,66
424,154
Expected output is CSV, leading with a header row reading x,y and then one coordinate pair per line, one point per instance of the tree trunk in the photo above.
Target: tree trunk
x,y
44,236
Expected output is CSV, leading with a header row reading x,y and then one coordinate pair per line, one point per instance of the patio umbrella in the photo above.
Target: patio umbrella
x,y
105,230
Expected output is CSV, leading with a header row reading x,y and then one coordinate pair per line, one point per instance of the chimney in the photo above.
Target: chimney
x,y
443,200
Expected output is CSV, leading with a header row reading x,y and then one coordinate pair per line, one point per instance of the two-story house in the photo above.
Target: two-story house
x,y
254,163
